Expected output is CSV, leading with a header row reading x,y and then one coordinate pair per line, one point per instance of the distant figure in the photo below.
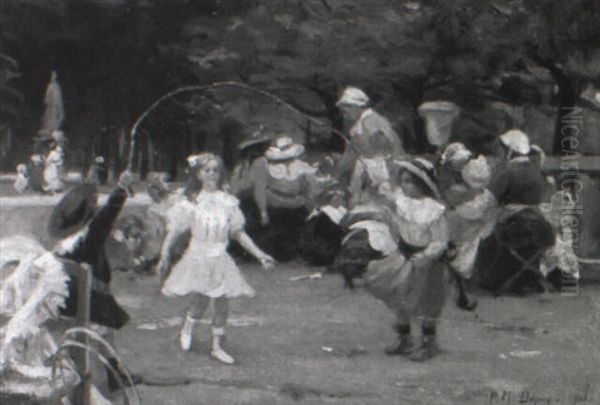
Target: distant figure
x,y
97,172
22,181
365,124
157,187
46,141
125,245
520,180
53,170
322,234
36,173
472,214
54,113
284,191
508,260
370,171
450,180
241,181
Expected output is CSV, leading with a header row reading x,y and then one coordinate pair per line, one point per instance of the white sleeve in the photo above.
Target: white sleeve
x,y
477,207
179,216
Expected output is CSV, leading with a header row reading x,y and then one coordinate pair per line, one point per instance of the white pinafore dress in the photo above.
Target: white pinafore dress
x,y
206,267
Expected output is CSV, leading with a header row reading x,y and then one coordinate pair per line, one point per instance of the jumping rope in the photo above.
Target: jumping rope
x,y
216,85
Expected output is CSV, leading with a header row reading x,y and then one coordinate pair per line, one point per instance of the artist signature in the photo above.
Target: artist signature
x,y
508,397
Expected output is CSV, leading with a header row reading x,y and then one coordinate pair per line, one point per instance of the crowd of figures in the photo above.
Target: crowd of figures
x,y
45,172
400,225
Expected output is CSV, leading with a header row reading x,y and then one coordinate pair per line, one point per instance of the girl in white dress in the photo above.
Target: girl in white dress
x,y
206,271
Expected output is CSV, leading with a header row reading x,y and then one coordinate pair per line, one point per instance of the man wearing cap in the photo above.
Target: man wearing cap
x,y
365,124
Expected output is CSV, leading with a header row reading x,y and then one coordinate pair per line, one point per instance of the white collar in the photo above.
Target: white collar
x,y
519,160
68,244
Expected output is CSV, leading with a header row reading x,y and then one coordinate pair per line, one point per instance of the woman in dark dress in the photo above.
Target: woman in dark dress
x,y
522,234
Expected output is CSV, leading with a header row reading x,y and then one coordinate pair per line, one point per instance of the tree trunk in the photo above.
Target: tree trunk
x,y
325,88
567,124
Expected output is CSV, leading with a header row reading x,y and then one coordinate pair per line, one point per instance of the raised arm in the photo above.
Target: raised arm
x,y
102,222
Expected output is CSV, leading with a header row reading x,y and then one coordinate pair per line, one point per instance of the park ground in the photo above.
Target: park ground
x,y
314,342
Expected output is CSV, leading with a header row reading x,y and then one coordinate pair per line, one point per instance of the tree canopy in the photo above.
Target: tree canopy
x,y
497,59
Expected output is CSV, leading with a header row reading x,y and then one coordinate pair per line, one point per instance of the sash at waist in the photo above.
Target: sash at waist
x,y
278,199
208,248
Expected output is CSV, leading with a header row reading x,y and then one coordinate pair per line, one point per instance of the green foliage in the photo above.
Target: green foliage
x,y
120,55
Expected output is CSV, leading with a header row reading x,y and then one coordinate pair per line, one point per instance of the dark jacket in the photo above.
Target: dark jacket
x,y
520,182
104,308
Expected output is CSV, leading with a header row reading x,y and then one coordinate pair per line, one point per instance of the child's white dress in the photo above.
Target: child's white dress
x,y
21,183
52,171
206,267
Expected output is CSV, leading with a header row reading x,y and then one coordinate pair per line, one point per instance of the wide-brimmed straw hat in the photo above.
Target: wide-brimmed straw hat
x,y
73,211
284,148
421,169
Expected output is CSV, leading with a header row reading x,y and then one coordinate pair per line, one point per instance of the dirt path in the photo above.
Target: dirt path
x,y
314,342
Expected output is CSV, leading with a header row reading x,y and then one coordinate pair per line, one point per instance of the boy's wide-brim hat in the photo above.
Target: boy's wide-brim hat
x,y
284,149
73,211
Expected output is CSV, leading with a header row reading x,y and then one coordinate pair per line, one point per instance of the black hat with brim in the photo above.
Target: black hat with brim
x,y
73,211
254,142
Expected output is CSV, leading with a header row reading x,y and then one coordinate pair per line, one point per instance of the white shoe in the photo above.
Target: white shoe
x,y
222,356
185,336
217,351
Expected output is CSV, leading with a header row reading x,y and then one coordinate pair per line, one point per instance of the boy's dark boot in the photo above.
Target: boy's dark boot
x,y
428,348
404,344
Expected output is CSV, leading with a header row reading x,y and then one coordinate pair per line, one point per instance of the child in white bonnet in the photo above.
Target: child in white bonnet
x,y
21,183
